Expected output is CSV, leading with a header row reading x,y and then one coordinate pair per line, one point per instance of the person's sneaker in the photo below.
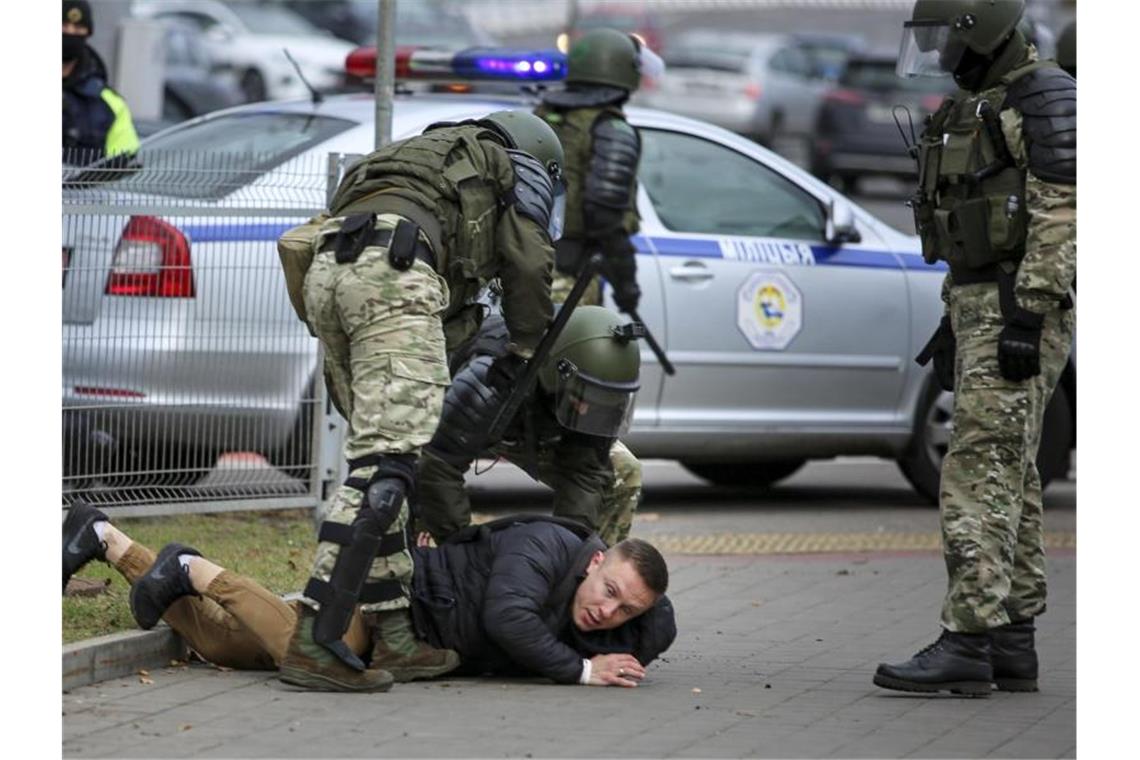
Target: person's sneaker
x,y
956,662
164,583
1014,656
81,543
396,648
309,665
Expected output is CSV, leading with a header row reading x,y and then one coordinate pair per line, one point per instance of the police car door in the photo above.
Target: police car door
x,y
771,329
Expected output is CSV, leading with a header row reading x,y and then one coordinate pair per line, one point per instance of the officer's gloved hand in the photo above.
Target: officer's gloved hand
x,y
504,372
1019,346
621,271
942,348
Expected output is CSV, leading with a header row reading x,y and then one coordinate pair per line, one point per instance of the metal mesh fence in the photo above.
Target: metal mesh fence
x,y
188,381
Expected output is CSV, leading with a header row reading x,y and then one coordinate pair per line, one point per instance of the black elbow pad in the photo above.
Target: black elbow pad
x,y
614,153
1046,98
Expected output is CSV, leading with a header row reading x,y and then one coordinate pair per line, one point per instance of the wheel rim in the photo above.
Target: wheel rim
x,y
937,427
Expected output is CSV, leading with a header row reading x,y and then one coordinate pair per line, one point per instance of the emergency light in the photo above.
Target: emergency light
x,y
473,64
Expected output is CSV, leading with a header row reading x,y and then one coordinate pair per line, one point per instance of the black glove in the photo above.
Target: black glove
x,y
504,372
621,270
1019,345
941,347
471,404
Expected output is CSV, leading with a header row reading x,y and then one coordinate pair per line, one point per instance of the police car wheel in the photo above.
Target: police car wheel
x,y
755,474
921,464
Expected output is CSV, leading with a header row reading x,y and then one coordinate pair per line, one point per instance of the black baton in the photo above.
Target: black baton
x,y
654,345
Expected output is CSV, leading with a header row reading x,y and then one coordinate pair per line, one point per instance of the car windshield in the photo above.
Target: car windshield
x,y
269,19
880,76
216,157
428,24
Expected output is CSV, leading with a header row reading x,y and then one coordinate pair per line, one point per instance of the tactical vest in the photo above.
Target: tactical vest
x,y
573,127
971,207
87,118
453,185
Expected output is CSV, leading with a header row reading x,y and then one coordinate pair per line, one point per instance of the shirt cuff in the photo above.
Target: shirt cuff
x,y
587,668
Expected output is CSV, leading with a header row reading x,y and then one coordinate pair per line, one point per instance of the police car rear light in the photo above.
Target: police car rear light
x,y
152,259
472,64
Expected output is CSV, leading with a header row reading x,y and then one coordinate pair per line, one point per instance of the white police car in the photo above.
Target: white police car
x,y
791,314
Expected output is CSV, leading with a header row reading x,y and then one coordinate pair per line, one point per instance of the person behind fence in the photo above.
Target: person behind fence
x,y
96,119
388,280
998,202
519,596
562,435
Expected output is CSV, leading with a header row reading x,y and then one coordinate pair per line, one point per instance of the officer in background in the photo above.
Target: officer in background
x,y
562,435
417,228
96,120
1067,49
997,200
605,67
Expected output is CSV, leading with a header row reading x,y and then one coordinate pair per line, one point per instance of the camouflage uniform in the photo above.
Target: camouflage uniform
x,y
991,504
386,332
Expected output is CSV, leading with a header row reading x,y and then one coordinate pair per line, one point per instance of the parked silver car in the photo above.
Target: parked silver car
x,y
792,314
762,86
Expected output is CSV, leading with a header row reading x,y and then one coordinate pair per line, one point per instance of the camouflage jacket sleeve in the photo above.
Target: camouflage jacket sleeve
x,y
1050,264
526,271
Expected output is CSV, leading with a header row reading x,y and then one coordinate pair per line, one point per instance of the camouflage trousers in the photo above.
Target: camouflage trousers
x,y
990,496
564,283
621,497
386,371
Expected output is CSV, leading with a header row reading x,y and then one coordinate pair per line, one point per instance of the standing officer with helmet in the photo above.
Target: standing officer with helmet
x,y
417,228
562,435
997,200
604,68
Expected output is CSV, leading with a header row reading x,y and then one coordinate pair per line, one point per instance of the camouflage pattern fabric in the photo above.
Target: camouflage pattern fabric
x,y
564,283
385,367
622,495
991,504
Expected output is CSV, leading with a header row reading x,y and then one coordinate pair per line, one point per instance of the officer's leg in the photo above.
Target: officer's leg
x,y
622,496
577,478
983,472
443,505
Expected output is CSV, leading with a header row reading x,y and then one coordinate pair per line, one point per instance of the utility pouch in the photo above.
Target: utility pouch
x,y
1008,215
925,229
295,249
963,230
402,249
353,237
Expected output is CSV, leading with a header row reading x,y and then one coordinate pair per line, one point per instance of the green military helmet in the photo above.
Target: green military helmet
x,y
941,31
1067,48
604,56
592,372
531,135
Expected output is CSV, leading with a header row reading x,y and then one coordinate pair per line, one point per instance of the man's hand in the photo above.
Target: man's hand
x,y
615,670
621,270
1019,346
505,372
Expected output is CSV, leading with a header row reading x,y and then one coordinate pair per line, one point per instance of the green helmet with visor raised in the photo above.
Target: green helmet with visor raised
x,y
592,373
940,32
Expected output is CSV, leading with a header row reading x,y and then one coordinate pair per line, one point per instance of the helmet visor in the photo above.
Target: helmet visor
x,y
587,405
558,212
649,64
928,49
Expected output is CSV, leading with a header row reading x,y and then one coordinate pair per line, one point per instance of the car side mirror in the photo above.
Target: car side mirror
x,y
841,227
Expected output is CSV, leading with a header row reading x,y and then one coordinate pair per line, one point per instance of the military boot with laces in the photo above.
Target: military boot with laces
x,y
956,662
81,543
1013,655
396,648
311,666
162,585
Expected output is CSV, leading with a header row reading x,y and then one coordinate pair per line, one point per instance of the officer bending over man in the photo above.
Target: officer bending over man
x,y
511,597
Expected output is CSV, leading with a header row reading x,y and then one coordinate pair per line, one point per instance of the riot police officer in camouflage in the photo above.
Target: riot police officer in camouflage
x,y
997,201
562,435
413,233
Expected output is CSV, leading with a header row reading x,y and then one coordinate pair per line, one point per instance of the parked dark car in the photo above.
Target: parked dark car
x,y
829,52
856,133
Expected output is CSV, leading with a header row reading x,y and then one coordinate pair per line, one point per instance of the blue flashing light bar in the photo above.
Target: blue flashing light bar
x,y
507,64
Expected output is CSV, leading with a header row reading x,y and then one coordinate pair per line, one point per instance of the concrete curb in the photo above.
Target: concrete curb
x,y
119,654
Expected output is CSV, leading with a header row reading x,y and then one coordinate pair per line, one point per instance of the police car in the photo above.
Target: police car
x,y
791,314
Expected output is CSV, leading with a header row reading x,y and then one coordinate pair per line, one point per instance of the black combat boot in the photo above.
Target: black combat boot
x,y
1014,656
956,662
164,583
80,542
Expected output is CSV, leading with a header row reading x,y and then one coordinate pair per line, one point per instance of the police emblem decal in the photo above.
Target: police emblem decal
x,y
769,310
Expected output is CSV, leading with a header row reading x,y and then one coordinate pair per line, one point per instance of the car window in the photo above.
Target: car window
x,y
221,155
200,20
270,19
792,61
699,186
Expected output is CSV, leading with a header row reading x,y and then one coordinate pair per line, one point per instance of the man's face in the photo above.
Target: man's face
x,y
611,594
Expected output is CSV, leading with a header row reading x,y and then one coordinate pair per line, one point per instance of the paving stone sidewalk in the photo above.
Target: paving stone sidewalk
x,y
774,659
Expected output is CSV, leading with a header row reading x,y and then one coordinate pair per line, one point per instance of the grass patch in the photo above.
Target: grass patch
x,y
274,548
